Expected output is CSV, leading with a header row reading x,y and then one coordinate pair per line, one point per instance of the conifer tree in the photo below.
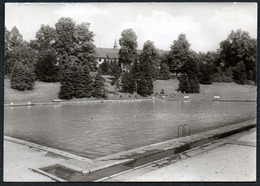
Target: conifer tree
x,y
99,90
83,83
194,83
145,80
67,86
145,69
128,83
189,83
22,77
164,73
104,67
184,84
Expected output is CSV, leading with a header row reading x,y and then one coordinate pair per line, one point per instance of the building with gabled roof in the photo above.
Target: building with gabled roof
x,y
112,54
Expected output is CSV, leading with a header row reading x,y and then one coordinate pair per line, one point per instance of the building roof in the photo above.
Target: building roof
x,y
113,53
107,53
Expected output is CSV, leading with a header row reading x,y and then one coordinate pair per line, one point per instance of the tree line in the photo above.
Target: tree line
x,y
66,54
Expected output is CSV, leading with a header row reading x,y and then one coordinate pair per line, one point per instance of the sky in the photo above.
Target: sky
x,y
205,24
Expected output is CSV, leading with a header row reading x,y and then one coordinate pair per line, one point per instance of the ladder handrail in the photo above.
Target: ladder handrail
x,y
184,127
188,128
179,130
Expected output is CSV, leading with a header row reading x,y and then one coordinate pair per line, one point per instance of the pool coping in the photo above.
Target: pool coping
x,y
122,100
61,153
76,102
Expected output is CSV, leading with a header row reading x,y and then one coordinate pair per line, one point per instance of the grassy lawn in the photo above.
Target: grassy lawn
x,y
42,92
46,92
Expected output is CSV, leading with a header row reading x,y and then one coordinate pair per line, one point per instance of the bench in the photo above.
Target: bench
x,y
56,100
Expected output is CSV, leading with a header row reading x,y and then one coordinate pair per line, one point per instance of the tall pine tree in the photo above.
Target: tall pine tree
x,y
145,70
164,73
22,77
99,90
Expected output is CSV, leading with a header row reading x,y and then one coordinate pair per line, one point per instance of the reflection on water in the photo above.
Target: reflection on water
x,y
97,129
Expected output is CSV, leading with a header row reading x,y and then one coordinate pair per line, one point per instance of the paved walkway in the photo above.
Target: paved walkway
x,y
228,159
20,159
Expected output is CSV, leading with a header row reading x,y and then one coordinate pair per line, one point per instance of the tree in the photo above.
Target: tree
x,y
205,74
191,64
22,77
104,67
239,73
7,64
164,73
64,44
22,58
67,87
150,52
15,38
45,38
114,69
207,67
76,57
128,83
145,69
189,83
12,41
84,46
239,46
194,83
99,90
145,84
178,53
128,50
184,84
181,58
46,69
127,57
83,82
75,80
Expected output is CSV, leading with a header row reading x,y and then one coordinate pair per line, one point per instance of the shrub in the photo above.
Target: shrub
x,y
162,91
222,75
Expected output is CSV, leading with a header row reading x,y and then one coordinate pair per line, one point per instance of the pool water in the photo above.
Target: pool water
x,y
97,129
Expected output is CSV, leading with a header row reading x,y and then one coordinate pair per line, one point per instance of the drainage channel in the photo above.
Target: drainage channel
x,y
72,175
75,176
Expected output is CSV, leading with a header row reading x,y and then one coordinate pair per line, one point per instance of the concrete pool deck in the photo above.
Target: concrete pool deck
x,y
20,160
229,159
